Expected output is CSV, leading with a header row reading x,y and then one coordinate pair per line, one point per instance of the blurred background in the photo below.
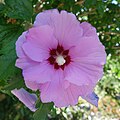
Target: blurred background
x,y
104,15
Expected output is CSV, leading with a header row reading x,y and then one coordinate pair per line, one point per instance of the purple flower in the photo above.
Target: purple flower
x,y
61,57
26,98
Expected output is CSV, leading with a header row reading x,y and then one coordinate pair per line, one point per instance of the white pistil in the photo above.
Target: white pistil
x,y
60,60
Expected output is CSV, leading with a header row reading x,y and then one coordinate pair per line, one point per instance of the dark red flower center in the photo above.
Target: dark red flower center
x,y
59,57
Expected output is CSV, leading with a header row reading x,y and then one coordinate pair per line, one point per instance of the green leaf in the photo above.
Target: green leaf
x,y
90,3
19,9
41,113
2,11
2,7
34,2
100,7
18,82
8,37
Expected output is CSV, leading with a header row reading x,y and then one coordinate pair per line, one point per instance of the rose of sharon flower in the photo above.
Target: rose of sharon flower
x,y
61,57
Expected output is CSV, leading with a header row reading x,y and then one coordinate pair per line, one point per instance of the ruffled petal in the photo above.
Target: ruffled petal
x,y
92,98
50,91
40,73
45,18
33,85
34,52
88,29
92,72
75,75
66,27
39,41
70,95
25,62
89,56
62,96
91,48
26,98
19,43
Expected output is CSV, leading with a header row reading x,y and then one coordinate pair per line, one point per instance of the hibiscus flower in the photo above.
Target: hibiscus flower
x,y
61,57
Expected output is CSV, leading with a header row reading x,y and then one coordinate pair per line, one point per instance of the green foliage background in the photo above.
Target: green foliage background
x,y
17,16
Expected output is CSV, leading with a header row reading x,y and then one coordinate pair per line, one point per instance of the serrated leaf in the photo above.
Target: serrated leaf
x,y
16,83
19,9
41,113
8,37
